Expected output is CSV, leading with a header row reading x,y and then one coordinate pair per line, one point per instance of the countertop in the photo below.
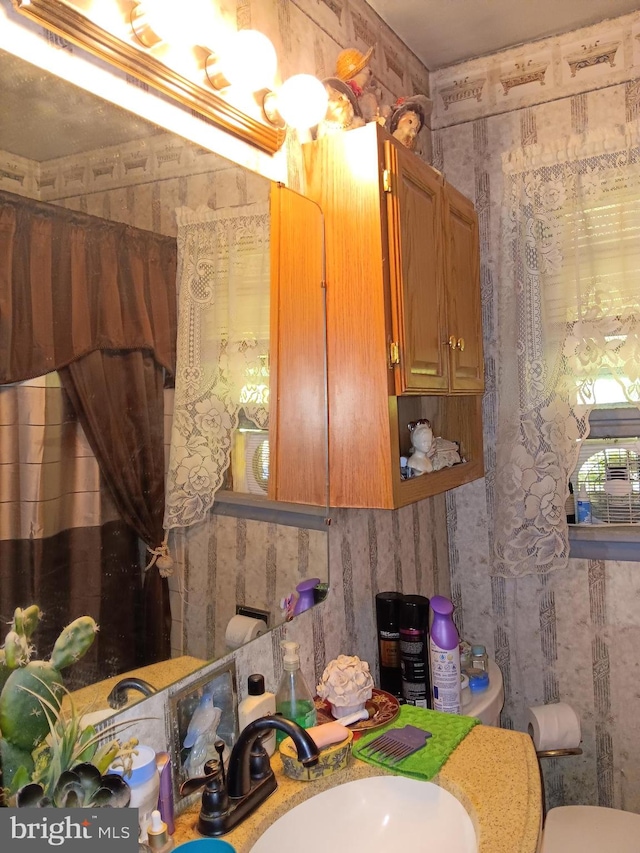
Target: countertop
x,y
493,772
160,675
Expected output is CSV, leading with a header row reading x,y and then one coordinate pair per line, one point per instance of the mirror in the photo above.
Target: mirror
x,y
109,35
64,146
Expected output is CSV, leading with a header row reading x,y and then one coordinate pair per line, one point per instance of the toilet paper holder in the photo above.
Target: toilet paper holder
x,y
551,753
557,753
554,730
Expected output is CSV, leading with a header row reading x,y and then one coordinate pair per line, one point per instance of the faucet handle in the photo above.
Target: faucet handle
x,y
215,800
212,772
219,747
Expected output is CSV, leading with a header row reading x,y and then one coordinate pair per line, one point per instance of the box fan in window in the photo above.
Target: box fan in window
x,y
250,461
609,471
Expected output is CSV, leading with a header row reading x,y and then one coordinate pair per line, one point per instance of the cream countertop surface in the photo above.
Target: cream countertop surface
x,y
159,675
493,772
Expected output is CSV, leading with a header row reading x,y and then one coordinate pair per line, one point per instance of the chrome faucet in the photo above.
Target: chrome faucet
x,y
120,692
226,802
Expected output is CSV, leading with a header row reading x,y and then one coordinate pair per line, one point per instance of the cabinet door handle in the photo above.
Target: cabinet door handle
x,y
451,343
460,344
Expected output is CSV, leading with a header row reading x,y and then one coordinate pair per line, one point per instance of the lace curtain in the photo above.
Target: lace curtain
x,y
222,349
568,320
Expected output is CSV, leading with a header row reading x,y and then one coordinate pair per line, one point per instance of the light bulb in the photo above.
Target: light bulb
x,y
179,24
302,101
248,60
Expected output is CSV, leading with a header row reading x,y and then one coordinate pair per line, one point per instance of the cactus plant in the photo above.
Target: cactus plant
x,y
31,691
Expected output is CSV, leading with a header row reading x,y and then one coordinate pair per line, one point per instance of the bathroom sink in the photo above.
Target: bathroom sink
x,y
375,814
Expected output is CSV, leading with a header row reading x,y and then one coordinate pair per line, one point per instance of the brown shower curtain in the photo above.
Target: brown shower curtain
x,y
119,400
95,300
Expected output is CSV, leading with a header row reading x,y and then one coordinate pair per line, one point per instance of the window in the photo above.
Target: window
x,y
248,472
609,469
603,236
571,250
607,473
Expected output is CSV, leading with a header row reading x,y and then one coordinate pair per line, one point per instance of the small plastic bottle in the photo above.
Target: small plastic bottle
x,y
159,839
258,703
570,506
465,656
479,658
294,700
444,645
583,507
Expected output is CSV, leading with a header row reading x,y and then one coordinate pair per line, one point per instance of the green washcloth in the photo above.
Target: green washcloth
x,y
447,731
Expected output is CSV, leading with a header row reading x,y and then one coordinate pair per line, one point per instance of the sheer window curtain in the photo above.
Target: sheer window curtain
x,y
568,314
222,349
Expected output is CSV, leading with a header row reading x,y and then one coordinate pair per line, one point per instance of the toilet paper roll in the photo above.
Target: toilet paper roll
x,y
241,629
554,726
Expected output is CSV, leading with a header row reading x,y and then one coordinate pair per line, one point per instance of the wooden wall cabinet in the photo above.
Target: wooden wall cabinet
x,y
404,333
298,432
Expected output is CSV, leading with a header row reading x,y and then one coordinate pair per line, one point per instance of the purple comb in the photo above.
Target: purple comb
x,y
396,744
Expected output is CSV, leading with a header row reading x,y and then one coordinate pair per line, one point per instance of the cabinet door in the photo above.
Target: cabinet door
x,y
298,394
462,281
416,255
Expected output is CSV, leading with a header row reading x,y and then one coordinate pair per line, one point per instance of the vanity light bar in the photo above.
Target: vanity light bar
x,y
74,26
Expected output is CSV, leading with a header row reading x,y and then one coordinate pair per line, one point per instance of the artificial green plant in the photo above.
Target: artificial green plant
x,y
38,741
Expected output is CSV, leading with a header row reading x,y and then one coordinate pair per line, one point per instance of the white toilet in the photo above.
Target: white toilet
x,y
590,829
567,829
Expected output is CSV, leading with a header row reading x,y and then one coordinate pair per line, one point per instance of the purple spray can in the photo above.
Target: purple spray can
x,y
444,648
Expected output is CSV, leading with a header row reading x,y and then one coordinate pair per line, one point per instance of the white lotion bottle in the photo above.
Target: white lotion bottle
x,y
258,703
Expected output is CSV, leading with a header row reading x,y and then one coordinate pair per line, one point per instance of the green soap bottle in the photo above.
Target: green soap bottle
x,y
293,698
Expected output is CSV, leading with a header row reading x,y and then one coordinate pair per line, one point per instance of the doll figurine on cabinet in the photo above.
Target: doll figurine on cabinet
x,y
408,118
422,444
343,112
353,69
429,453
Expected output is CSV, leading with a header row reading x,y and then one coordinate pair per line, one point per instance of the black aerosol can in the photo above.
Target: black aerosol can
x,y
388,623
414,650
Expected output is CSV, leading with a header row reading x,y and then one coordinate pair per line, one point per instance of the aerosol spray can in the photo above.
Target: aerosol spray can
x,y
444,647
388,623
414,650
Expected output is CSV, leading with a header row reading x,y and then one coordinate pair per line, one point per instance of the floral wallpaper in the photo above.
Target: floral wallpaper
x,y
572,635
567,636
369,551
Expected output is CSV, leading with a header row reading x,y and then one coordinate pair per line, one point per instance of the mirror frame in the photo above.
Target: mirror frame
x,y
72,25
183,701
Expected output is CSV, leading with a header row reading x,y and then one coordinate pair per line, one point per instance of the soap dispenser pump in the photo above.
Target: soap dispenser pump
x,y
159,839
294,700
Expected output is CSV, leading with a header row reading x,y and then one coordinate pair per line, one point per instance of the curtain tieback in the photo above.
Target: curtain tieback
x,y
161,558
